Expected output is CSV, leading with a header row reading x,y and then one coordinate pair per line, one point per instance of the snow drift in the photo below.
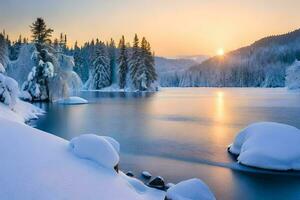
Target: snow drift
x,y
97,149
268,145
193,189
36,165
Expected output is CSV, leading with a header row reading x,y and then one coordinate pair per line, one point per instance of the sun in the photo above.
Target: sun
x,y
220,52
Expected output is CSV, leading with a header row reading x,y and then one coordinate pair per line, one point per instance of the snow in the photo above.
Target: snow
x,y
268,145
36,165
21,113
72,101
95,148
292,80
113,142
9,91
193,189
2,69
146,174
25,96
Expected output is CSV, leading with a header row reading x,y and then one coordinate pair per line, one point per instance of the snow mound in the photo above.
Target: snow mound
x,y
72,101
268,145
96,148
43,168
192,189
113,142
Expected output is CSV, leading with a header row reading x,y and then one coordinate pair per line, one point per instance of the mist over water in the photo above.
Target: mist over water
x,y
184,133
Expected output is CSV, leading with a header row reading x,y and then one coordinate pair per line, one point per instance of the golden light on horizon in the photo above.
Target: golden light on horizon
x,y
220,52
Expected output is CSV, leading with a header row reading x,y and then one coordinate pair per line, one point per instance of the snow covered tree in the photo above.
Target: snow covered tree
x,y
80,63
143,73
293,76
38,80
100,73
14,49
135,62
112,60
122,63
9,91
36,85
3,51
147,69
63,42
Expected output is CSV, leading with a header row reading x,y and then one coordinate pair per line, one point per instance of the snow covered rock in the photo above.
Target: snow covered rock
x,y
72,101
193,189
95,148
146,174
268,145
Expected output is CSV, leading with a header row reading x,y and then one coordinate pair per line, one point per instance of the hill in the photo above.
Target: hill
x,y
261,64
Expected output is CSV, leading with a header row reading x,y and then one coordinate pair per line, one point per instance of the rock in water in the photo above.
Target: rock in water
x,y
158,182
146,175
130,174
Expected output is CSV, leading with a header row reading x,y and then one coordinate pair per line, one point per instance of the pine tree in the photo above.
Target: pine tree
x,y
80,63
101,70
14,49
37,84
40,33
122,63
3,50
142,71
149,63
134,62
63,43
112,61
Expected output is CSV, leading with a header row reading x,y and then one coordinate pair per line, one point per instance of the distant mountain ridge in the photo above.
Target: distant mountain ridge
x,y
167,67
261,64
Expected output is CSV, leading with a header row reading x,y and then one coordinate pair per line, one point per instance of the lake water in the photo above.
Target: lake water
x,y
180,133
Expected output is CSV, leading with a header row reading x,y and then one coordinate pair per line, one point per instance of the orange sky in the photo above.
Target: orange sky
x,y
174,27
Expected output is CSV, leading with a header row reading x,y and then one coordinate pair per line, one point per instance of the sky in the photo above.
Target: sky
x,y
173,27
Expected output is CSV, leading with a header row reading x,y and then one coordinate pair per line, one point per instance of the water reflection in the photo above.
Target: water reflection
x,y
173,131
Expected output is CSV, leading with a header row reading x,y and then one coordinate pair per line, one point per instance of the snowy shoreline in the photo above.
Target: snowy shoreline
x,y
45,166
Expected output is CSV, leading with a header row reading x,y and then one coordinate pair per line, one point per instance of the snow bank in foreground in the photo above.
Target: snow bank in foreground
x,y
21,112
96,148
36,165
193,189
72,101
268,145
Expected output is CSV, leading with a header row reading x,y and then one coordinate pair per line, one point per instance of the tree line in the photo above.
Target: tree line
x,y
99,64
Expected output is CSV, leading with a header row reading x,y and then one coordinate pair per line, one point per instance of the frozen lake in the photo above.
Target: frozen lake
x,y
183,133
